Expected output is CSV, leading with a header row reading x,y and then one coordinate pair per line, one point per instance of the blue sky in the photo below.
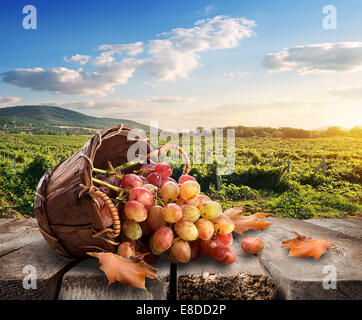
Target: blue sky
x,y
187,63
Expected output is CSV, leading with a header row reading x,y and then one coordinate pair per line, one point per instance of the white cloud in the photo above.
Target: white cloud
x,y
6,101
353,93
170,100
73,82
176,55
78,58
317,58
208,9
106,57
236,74
166,59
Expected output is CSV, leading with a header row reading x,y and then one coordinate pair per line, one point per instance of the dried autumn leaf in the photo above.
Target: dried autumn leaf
x,y
244,223
303,247
129,271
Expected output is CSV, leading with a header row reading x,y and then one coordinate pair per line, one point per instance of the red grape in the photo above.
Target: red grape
x,y
164,170
155,179
131,181
185,178
142,195
181,250
224,255
224,239
171,212
148,167
252,245
169,179
155,219
135,211
208,246
106,216
169,192
162,239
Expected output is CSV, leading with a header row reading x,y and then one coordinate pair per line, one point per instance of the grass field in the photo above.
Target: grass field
x,y
262,180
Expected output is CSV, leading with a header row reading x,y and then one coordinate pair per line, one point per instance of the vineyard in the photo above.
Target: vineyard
x,y
299,178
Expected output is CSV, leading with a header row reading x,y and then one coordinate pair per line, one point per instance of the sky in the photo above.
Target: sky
x,y
187,63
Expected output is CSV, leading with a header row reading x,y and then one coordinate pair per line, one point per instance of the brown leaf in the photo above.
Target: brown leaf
x,y
303,247
129,271
244,223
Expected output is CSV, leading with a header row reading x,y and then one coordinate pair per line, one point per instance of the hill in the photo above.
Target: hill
x,y
37,119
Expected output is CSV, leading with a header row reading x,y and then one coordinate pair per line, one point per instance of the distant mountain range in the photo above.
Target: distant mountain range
x,y
34,118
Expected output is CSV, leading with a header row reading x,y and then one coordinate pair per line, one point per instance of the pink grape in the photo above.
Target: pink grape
x,y
155,219
252,245
224,239
189,190
169,179
181,250
185,178
210,209
162,239
208,246
224,255
106,216
131,181
205,228
144,179
171,212
135,211
190,212
164,170
155,179
169,192
150,187
142,195
126,249
148,167
186,229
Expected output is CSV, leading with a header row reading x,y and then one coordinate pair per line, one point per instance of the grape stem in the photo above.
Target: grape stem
x,y
105,184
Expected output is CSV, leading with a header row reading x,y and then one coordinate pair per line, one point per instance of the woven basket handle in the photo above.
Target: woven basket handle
x,y
167,147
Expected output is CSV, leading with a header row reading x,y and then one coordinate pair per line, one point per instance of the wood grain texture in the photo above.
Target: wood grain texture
x,y
86,282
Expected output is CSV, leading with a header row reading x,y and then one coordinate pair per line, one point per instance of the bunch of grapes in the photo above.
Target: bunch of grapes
x,y
160,215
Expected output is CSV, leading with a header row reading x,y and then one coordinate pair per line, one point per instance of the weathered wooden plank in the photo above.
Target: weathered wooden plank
x,y
36,257
205,278
86,282
303,278
351,227
17,234
6,221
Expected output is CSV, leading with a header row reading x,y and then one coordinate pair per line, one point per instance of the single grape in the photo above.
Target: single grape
x,y
171,257
223,224
189,190
148,168
135,211
224,255
195,250
152,247
171,212
131,181
162,239
164,170
142,195
210,209
252,245
169,179
205,228
155,179
106,216
151,188
224,239
126,249
190,212
185,178
169,192
186,229
155,219
208,246
132,229
198,200
181,250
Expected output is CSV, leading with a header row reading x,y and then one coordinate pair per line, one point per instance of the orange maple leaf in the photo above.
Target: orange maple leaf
x,y
244,223
303,247
129,271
